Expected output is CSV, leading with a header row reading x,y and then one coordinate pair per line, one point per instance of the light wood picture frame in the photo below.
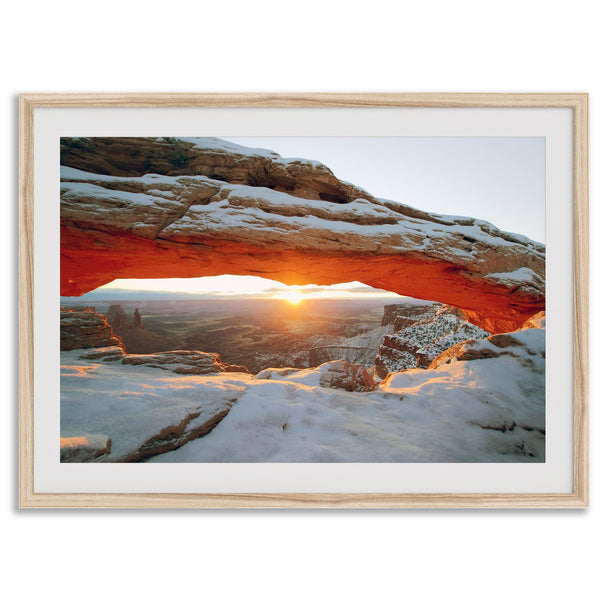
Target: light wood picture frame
x,y
32,103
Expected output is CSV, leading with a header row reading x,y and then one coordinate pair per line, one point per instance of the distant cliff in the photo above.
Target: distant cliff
x,y
85,328
420,334
136,337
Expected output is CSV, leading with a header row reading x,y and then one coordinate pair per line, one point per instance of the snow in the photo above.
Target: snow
x,y
487,392
309,377
282,214
130,404
523,274
72,174
432,334
487,410
234,209
220,145
80,189
428,417
426,229
538,321
335,218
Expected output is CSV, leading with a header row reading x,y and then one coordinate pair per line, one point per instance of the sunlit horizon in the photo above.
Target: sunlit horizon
x,y
247,286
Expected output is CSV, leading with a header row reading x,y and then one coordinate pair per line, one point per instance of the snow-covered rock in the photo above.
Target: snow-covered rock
x,y
84,448
85,329
107,353
408,312
143,412
183,362
244,212
339,374
528,345
90,330
484,406
490,410
420,336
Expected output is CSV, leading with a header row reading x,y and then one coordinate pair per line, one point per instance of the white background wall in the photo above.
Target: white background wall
x,y
291,46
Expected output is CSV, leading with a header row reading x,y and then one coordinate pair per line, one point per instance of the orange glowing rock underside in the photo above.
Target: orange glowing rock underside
x,y
90,259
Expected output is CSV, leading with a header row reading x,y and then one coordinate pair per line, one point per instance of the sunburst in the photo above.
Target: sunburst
x,y
293,298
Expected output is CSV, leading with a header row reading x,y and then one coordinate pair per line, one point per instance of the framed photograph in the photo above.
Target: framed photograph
x,y
303,300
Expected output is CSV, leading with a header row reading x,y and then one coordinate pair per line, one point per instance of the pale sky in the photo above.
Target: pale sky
x,y
497,179
246,285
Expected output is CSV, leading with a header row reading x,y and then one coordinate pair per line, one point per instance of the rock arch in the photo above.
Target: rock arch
x,y
217,208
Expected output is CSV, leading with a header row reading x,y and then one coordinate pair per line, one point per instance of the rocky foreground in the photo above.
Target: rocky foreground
x,y
479,401
167,207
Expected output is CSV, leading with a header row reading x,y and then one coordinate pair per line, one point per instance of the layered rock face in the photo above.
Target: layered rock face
x,y
214,158
503,344
88,330
85,329
184,362
404,314
153,208
420,334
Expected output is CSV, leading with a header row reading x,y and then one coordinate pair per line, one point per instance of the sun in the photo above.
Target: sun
x,y
293,297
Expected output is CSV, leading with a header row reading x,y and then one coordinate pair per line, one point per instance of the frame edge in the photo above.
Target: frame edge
x,y
579,102
581,298
26,329
309,501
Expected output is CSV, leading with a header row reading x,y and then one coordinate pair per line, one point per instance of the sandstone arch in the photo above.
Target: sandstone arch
x,y
217,208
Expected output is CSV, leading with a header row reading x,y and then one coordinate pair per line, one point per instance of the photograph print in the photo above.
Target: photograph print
x,y
302,299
